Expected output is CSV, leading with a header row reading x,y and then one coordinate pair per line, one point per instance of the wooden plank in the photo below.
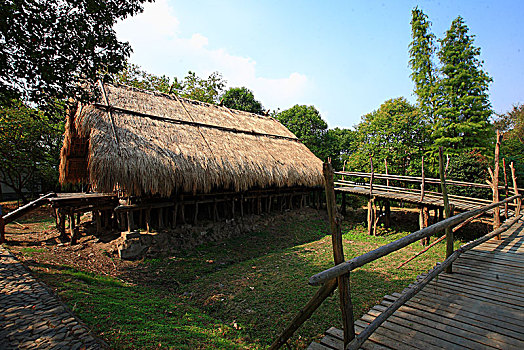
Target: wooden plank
x,y
485,336
441,335
499,311
398,338
462,315
376,342
468,280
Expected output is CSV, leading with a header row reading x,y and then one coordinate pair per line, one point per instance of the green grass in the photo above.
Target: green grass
x,y
235,294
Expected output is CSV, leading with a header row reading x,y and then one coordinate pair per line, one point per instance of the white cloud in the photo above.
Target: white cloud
x,y
161,49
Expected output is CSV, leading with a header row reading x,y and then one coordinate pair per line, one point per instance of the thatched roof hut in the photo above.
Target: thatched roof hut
x,y
148,143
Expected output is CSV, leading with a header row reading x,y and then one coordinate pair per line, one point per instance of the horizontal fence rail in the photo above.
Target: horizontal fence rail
x,y
348,266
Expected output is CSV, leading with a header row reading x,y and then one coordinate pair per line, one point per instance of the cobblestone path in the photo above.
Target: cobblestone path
x,y
31,317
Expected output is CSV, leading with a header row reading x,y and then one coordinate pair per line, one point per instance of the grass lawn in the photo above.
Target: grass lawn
x,y
234,294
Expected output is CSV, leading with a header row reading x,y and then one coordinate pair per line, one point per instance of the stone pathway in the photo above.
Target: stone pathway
x,y
32,317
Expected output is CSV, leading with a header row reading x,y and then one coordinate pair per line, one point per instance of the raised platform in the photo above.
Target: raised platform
x,y
479,306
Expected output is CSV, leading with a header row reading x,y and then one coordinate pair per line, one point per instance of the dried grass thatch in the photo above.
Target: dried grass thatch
x,y
152,143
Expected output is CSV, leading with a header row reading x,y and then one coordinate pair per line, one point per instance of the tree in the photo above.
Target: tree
x,y
307,124
396,132
30,144
462,116
192,86
511,124
242,99
49,49
421,52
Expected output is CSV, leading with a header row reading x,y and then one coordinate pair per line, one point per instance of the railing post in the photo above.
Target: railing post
x,y
496,211
346,305
447,210
423,182
506,190
515,189
371,202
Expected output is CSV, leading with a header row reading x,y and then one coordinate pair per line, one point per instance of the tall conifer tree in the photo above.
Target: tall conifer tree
x,y
421,52
462,117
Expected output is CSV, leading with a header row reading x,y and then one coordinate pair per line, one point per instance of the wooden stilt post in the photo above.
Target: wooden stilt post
x,y
338,253
72,227
195,219
423,182
241,205
343,206
495,185
447,209
130,221
148,220
506,189
371,202
387,213
98,222
61,224
515,189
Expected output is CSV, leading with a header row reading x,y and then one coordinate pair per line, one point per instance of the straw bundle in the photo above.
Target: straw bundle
x,y
152,143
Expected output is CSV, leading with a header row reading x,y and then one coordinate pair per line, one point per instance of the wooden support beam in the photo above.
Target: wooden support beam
x,y
387,213
371,217
148,220
98,222
343,206
175,214
346,305
449,233
130,221
241,205
195,219
422,184
495,183
506,190
515,189
72,227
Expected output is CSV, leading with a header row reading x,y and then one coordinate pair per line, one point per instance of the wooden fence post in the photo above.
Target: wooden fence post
x,y
495,185
423,182
506,190
346,306
371,202
515,189
447,210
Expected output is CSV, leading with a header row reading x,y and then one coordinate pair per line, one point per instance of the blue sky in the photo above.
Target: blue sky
x,y
343,57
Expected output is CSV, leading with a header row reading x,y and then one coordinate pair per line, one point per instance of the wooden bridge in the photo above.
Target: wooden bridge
x,y
473,299
479,306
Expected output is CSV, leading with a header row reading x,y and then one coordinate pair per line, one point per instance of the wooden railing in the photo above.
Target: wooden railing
x,y
339,275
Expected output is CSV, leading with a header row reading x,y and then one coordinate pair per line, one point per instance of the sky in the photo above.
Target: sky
x,y
344,57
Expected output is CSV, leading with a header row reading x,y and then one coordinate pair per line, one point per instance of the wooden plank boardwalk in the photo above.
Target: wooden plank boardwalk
x,y
479,306
413,196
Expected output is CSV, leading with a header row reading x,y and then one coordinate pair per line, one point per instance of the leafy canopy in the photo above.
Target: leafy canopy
x,y
192,86
30,144
242,99
396,132
50,48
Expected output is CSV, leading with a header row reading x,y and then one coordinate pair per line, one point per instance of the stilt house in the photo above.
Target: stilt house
x,y
168,160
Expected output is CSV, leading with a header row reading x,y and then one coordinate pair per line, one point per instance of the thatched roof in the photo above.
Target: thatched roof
x,y
153,143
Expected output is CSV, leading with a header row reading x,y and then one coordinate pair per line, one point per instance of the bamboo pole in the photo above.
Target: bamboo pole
x,y
447,211
346,306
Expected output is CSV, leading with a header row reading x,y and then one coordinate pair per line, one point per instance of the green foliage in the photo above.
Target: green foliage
x,y
192,86
511,124
307,124
396,132
470,167
453,95
50,48
242,99
421,52
462,118
30,143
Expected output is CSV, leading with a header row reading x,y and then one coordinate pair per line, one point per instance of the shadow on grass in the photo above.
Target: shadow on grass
x,y
209,258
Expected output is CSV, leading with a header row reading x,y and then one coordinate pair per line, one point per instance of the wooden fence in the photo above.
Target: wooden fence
x,y
339,275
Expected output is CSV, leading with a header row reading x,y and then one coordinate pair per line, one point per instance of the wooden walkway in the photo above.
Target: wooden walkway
x,y
413,196
479,306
